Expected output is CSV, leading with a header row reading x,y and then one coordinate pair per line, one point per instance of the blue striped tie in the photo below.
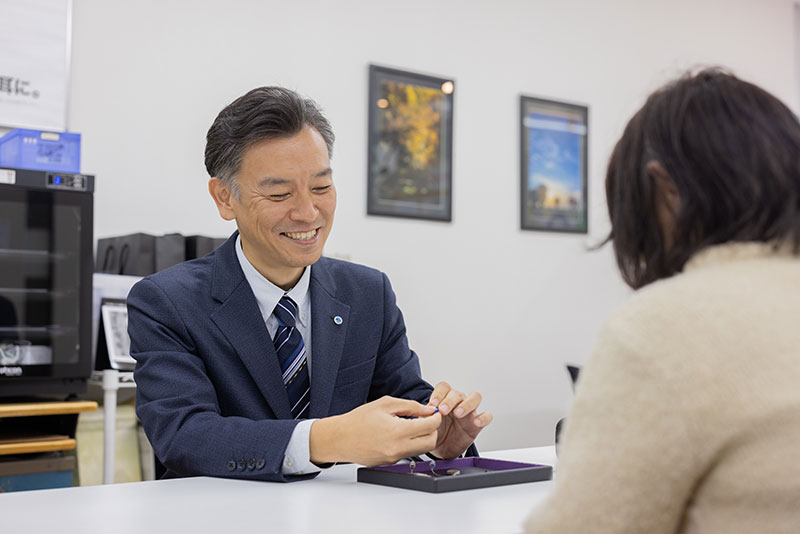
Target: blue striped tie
x,y
292,357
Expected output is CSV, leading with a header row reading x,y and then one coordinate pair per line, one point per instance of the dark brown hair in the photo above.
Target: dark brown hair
x,y
263,113
733,153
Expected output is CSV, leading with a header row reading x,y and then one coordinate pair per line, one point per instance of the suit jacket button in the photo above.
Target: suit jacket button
x,y
231,465
251,464
242,464
260,463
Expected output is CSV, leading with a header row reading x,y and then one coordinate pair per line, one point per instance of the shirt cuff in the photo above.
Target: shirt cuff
x,y
297,458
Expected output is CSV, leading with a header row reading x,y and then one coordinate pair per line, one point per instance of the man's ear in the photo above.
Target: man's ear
x,y
223,198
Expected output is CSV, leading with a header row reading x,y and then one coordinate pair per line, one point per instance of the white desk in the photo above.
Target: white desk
x,y
331,503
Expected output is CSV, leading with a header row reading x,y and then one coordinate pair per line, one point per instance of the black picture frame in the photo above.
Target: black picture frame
x,y
554,183
410,145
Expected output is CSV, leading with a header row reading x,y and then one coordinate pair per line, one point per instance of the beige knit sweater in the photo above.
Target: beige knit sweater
x,y
687,415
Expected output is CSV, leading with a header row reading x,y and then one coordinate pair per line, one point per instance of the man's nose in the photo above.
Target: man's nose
x,y
304,208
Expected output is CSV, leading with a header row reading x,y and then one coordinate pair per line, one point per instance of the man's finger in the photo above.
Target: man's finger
x,y
406,407
422,426
424,443
439,392
483,419
468,405
450,401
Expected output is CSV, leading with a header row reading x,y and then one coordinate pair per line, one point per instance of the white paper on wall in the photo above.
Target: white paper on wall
x,y
34,63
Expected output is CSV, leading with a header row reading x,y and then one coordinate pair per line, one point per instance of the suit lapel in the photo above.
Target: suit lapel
x,y
327,338
240,321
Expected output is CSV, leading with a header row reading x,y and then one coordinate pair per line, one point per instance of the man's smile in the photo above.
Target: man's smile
x,y
309,235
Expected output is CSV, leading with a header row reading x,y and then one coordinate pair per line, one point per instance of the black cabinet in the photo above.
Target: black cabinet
x,y
45,282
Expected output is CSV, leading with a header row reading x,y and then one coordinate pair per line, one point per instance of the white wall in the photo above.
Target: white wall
x,y
488,307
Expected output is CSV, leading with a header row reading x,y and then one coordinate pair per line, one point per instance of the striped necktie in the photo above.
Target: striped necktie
x,y
292,357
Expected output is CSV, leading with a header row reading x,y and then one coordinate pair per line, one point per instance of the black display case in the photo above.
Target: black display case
x,y
443,476
46,221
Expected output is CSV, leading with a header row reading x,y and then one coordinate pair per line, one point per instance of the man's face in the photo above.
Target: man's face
x,y
286,204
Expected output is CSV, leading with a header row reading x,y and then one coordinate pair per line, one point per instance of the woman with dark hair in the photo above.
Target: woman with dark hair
x,y
687,415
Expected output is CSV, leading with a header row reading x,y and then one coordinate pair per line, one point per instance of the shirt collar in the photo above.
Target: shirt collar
x,y
268,294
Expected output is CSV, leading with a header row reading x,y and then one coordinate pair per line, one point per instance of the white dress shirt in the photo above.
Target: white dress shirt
x,y
296,459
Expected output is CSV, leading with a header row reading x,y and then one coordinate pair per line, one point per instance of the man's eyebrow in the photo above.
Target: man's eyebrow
x,y
268,181
325,172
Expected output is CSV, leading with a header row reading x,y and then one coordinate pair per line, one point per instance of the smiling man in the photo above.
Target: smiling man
x,y
265,360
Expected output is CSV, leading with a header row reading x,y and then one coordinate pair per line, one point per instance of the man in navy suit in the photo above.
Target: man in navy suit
x,y
214,387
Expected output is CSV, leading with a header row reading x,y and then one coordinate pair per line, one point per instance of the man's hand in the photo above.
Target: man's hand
x,y
461,423
373,434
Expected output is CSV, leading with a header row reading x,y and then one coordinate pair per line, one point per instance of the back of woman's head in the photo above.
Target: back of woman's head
x,y
732,151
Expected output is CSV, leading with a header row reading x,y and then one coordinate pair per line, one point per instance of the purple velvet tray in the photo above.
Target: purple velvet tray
x,y
474,473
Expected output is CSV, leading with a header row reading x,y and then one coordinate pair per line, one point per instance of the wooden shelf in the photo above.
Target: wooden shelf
x,y
25,438
46,408
39,443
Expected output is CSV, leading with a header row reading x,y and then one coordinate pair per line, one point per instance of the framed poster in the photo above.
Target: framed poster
x,y
34,66
553,180
410,145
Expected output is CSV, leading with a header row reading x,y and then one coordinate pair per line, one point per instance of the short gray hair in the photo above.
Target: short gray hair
x,y
263,113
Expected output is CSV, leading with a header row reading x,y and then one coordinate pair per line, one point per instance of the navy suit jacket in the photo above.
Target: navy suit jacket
x,y
209,389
